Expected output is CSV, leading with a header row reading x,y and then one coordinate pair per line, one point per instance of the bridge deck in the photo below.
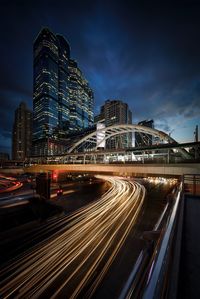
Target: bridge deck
x,y
120,169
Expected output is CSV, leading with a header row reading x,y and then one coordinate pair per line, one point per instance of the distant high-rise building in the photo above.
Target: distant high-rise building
x,y
142,139
62,100
115,112
4,157
22,133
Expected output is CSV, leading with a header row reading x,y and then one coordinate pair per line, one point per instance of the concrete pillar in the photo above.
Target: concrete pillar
x,y
168,156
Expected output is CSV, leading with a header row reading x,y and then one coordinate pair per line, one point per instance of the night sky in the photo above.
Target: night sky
x,y
145,53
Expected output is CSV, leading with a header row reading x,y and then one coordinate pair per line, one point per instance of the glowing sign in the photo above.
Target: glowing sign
x,y
55,176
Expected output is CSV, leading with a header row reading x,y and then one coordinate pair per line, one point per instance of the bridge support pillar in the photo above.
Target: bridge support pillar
x,y
168,156
143,157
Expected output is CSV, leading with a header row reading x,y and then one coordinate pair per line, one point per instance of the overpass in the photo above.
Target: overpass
x,y
95,145
147,148
120,169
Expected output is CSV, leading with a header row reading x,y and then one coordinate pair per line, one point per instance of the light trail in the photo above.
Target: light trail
x,y
81,251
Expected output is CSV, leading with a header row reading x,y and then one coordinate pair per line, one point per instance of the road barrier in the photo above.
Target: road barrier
x,y
150,276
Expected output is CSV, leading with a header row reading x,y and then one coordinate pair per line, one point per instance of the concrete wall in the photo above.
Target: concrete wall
x,y
124,169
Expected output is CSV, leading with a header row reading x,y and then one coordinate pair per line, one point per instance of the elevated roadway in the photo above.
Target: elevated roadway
x,y
120,169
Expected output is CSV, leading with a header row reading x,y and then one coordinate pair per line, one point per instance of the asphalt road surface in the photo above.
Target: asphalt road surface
x,y
80,253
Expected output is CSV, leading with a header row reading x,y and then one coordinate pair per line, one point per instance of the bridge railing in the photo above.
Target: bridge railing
x,y
150,276
157,283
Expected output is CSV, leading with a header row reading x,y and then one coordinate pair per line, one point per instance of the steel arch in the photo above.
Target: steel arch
x,y
121,129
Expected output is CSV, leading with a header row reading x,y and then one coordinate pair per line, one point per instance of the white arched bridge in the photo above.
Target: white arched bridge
x,y
94,140
92,148
88,149
157,146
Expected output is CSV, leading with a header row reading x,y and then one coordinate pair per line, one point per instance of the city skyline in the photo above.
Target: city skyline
x,y
144,54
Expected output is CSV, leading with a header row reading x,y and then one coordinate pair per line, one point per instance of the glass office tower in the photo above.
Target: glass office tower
x,y
62,99
142,139
80,98
116,112
22,133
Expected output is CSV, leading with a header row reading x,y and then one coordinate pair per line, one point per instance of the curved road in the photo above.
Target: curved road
x,y
74,260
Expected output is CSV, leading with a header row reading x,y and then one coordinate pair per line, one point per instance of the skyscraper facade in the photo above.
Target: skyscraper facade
x,y
142,139
81,99
115,112
62,98
22,133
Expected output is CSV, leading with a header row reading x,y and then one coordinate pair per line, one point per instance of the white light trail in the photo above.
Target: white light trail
x,y
66,261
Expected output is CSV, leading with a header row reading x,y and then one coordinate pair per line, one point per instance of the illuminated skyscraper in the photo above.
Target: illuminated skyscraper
x,y
22,133
142,139
62,100
81,99
115,112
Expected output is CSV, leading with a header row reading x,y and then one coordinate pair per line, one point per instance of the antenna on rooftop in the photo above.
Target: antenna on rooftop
x,y
171,132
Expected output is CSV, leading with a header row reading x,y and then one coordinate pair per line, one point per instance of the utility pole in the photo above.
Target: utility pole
x,y
196,133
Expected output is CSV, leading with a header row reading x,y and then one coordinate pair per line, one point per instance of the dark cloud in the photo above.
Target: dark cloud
x,y
143,52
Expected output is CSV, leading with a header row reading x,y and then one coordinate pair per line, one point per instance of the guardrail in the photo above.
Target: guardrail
x,y
157,278
149,277
129,286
